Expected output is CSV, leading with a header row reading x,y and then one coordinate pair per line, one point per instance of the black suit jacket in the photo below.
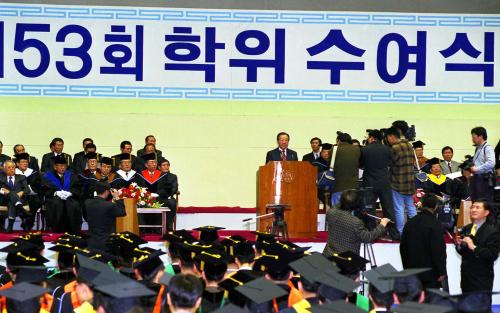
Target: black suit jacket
x,y
477,266
375,160
20,184
422,246
275,155
101,217
80,161
309,157
48,161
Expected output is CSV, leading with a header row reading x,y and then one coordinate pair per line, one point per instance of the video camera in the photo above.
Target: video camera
x,y
408,131
468,163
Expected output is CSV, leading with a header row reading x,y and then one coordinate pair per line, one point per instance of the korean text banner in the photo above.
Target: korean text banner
x,y
80,51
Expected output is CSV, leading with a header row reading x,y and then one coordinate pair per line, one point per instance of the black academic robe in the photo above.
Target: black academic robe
x,y
156,184
48,161
116,161
62,215
34,198
123,179
32,163
309,157
101,218
80,162
212,299
477,266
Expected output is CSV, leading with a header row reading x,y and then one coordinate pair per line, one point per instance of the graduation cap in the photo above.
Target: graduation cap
x,y
406,281
244,249
433,161
415,307
23,291
149,156
349,262
91,156
125,156
107,161
89,269
22,156
19,246
418,144
127,239
235,279
25,258
81,236
59,159
34,238
94,254
179,235
215,264
313,265
31,274
263,236
326,146
374,277
230,242
231,308
125,289
344,137
209,234
338,306
261,290
148,263
336,281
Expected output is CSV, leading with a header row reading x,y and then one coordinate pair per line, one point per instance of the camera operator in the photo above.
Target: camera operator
x,y
484,164
375,160
346,232
479,245
422,244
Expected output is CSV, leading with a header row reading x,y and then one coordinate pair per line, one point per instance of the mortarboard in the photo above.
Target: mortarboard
x,y
213,263
261,236
89,269
418,144
406,281
125,289
25,258
31,274
235,279
59,159
22,156
338,306
349,262
107,161
261,290
230,242
125,156
337,281
149,156
344,137
22,292
433,161
209,234
34,238
374,277
179,235
91,156
19,246
94,254
244,249
313,265
326,146
415,307
148,261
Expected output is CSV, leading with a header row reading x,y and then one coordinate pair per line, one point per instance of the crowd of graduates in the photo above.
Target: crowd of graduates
x,y
209,274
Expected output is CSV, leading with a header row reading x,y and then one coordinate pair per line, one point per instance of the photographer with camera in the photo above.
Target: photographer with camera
x,y
479,245
483,180
422,244
346,232
375,161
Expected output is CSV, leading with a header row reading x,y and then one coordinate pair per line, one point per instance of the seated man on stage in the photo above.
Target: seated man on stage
x,y
140,163
153,179
34,181
282,153
13,191
32,162
125,147
80,163
125,175
62,190
172,188
56,147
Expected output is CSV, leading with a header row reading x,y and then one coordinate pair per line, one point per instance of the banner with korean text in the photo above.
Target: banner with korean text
x,y
125,52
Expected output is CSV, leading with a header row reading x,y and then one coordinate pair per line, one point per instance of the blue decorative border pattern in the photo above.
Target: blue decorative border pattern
x,y
241,16
248,94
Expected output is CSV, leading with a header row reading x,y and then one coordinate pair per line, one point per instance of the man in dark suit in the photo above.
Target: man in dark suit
x,y
56,147
150,139
282,153
13,191
346,232
125,147
315,153
102,214
422,244
172,186
80,161
346,167
479,245
32,161
62,191
375,160
85,142
34,181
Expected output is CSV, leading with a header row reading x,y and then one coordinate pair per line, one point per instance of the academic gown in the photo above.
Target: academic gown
x,y
123,179
62,215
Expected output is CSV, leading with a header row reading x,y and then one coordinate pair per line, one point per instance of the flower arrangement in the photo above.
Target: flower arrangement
x,y
143,197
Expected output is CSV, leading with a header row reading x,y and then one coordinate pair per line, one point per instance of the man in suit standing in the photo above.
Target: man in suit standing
x,y
56,147
346,167
422,244
13,192
102,214
448,166
282,153
479,245
315,153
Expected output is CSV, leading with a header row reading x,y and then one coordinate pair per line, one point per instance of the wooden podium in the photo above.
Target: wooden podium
x,y
464,213
129,222
292,183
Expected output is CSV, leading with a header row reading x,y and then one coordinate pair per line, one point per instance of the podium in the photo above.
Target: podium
x,y
129,222
290,183
464,213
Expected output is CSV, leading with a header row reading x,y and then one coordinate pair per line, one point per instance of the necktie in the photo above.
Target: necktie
x,y
473,230
283,155
315,156
11,183
126,174
449,166
151,174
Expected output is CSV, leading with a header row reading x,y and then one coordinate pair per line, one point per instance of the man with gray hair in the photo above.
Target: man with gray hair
x,y
13,191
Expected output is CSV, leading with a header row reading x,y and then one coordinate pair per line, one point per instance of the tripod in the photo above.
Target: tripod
x,y
279,223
